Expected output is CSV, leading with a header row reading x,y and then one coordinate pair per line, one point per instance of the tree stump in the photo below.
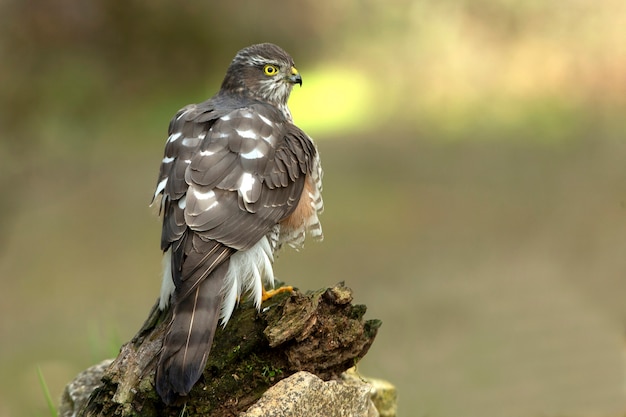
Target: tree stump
x,y
321,332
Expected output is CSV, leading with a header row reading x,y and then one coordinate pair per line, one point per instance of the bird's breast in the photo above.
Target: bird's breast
x,y
303,211
303,219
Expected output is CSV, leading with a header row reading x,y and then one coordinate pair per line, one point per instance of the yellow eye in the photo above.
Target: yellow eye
x,y
270,70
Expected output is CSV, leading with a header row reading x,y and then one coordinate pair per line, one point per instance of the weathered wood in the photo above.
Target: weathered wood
x,y
320,332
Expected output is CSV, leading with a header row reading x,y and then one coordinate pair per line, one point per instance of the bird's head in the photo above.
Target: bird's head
x,y
264,71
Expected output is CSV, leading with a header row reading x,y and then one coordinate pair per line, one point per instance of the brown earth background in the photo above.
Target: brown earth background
x,y
475,186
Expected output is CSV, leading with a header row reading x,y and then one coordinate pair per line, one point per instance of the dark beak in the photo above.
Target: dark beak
x,y
295,77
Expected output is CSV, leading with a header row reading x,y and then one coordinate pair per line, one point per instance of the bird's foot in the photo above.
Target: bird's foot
x,y
266,295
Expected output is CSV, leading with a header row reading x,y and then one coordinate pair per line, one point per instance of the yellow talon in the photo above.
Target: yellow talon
x,y
266,295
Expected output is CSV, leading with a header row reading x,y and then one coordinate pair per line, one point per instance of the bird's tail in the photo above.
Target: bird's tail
x,y
189,337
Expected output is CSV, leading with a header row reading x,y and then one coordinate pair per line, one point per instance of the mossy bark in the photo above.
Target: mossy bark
x,y
320,332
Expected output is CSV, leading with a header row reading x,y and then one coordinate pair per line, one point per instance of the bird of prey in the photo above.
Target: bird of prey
x,y
238,180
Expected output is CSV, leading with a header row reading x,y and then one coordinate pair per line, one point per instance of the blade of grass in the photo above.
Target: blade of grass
x,y
46,393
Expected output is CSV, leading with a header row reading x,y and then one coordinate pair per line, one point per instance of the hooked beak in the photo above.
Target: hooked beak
x,y
295,77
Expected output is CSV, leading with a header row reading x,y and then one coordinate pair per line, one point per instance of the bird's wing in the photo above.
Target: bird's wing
x,y
228,177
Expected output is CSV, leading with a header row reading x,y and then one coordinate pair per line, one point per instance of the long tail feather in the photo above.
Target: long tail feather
x,y
189,337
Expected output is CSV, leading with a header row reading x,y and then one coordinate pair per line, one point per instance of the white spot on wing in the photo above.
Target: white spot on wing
x,y
225,118
182,203
266,120
219,135
206,153
209,195
173,137
247,182
269,139
190,142
248,134
253,154
160,187
203,196
168,159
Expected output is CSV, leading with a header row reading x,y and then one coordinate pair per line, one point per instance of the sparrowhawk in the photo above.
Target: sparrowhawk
x,y
238,181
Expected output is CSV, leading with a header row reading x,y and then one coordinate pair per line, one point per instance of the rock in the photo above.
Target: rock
x,y
301,394
383,393
77,392
304,394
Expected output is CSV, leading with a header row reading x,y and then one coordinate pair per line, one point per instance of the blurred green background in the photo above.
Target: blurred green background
x,y
475,185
